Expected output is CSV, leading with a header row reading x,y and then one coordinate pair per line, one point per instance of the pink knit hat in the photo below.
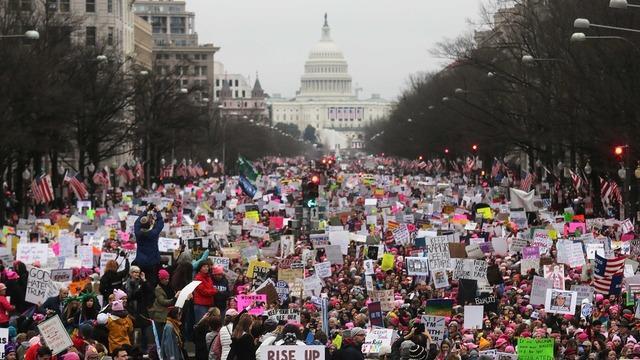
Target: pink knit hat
x,y
119,294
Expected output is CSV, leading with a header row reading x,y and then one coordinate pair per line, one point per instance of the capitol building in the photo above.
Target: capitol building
x,y
326,100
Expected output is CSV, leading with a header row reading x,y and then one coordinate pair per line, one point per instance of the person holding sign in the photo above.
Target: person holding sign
x,y
204,294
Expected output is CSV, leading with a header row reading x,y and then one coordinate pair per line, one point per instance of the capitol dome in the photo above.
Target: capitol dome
x,y
326,73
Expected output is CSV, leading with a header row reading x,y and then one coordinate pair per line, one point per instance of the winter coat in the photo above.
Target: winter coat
x,y
160,308
148,253
204,293
170,349
112,280
119,329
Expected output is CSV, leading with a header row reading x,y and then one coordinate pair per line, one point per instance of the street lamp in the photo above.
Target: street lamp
x,y
209,161
622,172
409,120
582,23
163,161
144,73
621,4
29,34
26,175
184,90
581,37
530,60
587,168
102,58
445,99
431,107
459,91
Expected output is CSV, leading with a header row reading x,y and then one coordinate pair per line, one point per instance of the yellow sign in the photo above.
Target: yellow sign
x,y
253,214
387,261
486,213
253,264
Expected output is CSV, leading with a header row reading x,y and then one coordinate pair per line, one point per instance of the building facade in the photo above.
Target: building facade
x,y
236,97
326,100
176,49
143,43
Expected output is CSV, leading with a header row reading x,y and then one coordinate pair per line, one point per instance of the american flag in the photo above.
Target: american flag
x,y
76,185
495,168
101,177
181,170
454,165
166,171
191,170
42,189
577,181
199,170
470,164
607,275
125,172
610,191
429,166
527,181
138,171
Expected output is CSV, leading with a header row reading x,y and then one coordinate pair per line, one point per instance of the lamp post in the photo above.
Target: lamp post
x,y
582,23
29,34
530,60
579,37
26,176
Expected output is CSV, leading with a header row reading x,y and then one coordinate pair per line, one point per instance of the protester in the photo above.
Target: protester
x,y
204,294
172,343
5,307
55,305
147,230
112,278
242,342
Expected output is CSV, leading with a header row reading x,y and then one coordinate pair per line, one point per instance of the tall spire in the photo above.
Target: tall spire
x,y
326,31
257,91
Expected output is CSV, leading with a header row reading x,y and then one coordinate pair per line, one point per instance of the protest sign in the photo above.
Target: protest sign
x,y
505,356
312,286
369,267
334,254
439,307
39,285
259,231
256,303
417,266
323,269
4,340
285,315
375,314
376,339
386,299
61,275
535,349
435,326
168,244
185,292
489,301
282,289
583,292
530,259
539,290
30,253
470,269
560,301
555,273
55,335
474,251
222,261
293,352
437,249
440,278
473,316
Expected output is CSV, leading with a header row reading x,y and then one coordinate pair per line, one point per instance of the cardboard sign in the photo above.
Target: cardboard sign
x,y
222,261
29,253
293,352
62,275
435,326
386,299
168,244
39,286
376,339
55,335
438,252
470,269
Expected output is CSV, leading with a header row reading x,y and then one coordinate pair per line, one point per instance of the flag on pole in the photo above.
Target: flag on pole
x,y
139,171
607,275
495,168
76,185
245,167
181,170
166,171
42,189
102,177
578,182
527,181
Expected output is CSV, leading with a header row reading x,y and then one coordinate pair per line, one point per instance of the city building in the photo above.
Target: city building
x,y
326,100
143,43
236,96
176,49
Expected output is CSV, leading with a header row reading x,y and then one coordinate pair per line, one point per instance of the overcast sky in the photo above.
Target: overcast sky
x,y
384,41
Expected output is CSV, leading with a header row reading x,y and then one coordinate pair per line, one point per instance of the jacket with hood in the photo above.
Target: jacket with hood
x,y
148,253
348,351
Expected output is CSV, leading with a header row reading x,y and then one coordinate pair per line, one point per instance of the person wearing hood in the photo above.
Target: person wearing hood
x,y
351,346
119,325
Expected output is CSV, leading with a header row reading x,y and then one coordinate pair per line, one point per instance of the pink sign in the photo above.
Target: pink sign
x,y
257,303
573,226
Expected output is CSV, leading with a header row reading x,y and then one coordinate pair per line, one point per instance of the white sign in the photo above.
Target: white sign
x,y
293,352
312,286
62,275
560,301
258,231
417,266
217,260
55,335
377,339
368,267
4,340
438,252
539,289
473,316
39,286
323,269
186,291
168,244
29,253
435,326
285,315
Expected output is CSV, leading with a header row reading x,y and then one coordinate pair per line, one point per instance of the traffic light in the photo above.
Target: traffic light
x,y
474,147
619,151
446,150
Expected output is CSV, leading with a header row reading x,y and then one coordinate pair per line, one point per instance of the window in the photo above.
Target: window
x,y
245,104
159,24
243,93
196,57
217,83
65,6
178,25
110,36
109,6
90,36
217,93
203,56
236,83
185,82
236,93
90,6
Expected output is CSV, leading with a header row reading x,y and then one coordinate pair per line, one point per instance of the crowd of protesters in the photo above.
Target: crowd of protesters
x,y
128,307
